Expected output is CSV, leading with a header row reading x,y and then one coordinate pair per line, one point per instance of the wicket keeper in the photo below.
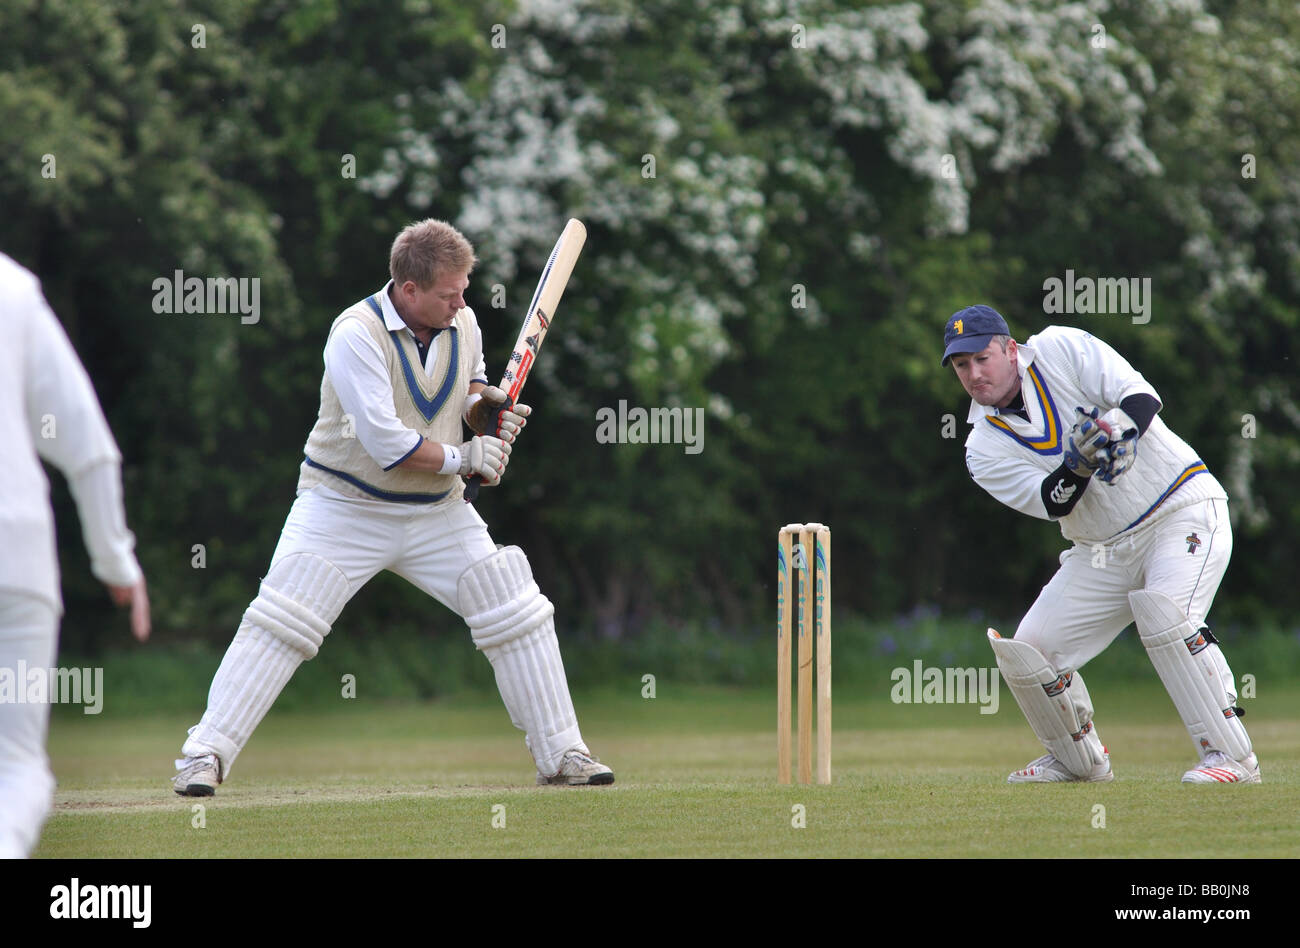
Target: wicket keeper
x,y
1064,429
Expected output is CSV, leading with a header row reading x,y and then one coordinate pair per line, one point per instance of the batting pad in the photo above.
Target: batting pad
x,y
1194,672
512,623
1057,705
285,625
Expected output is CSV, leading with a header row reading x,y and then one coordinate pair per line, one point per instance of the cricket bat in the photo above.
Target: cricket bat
x,y
537,321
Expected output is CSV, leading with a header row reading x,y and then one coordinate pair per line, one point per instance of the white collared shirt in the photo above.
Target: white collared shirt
x,y
360,377
1062,368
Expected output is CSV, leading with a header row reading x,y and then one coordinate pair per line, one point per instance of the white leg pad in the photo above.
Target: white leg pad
x,y
1057,705
284,626
1194,672
512,623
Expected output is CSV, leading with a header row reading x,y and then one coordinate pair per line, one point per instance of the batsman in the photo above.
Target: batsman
x,y
1064,429
380,487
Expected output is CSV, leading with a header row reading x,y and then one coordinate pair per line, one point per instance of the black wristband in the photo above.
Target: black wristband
x,y
1061,490
1141,408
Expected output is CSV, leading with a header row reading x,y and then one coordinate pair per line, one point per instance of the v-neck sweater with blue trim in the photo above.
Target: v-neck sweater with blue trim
x,y
429,402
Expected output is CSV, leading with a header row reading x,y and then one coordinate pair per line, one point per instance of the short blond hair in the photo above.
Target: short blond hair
x,y
428,250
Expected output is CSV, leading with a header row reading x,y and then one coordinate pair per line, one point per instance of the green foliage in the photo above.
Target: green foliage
x,y
785,201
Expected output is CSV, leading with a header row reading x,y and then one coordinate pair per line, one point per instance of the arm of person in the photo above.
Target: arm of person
x,y
98,495
1105,377
429,458
1126,401
1024,487
360,377
479,380
59,391
1142,409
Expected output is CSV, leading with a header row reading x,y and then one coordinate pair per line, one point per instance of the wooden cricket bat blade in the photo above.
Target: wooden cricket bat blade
x,y
537,322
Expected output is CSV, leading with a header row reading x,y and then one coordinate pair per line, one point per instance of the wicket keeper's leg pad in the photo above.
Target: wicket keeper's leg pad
x,y
1194,672
513,624
284,626
1057,705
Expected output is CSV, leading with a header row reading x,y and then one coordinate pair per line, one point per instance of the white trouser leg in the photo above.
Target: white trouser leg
x,y
284,626
28,633
1194,673
1082,609
329,548
1188,557
512,623
1057,705
510,620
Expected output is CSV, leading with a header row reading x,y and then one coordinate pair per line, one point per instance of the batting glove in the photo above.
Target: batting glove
x,y
494,411
485,456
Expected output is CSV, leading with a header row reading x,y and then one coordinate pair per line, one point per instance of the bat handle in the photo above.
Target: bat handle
x,y
472,484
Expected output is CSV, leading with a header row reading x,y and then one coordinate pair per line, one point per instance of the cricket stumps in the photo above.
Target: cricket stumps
x,y
803,603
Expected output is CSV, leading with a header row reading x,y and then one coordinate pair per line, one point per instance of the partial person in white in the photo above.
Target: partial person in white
x,y
48,410
381,487
1150,543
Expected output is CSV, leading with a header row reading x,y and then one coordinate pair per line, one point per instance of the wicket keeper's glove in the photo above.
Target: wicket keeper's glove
x,y
1118,455
1085,440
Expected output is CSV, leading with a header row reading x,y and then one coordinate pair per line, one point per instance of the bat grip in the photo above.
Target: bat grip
x,y
494,425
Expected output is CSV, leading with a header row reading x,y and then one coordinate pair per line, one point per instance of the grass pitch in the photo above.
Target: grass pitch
x,y
695,778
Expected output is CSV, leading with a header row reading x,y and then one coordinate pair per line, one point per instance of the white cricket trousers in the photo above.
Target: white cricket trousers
x,y
429,546
28,633
1182,554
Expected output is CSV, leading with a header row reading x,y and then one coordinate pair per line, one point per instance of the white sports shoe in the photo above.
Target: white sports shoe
x,y
1218,767
198,776
1047,769
578,769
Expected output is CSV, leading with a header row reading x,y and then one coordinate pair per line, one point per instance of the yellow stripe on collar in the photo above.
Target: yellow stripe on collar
x,y
1050,442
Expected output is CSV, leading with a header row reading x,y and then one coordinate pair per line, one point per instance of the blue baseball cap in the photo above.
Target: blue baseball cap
x,y
971,330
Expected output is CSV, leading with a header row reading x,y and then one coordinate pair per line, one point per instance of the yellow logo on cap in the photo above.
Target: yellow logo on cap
x,y
957,326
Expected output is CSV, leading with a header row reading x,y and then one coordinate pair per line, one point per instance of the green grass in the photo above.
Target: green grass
x,y
413,665
696,777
